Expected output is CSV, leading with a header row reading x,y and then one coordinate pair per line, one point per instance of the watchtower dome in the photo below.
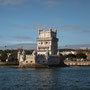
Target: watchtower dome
x,y
47,41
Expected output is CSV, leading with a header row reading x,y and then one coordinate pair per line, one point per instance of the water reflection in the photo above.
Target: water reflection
x,y
45,79
42,79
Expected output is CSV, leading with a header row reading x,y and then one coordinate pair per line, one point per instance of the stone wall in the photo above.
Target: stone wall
x,y
30,59
41,59
53,60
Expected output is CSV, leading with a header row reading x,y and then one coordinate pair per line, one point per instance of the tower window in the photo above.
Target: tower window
x,y
41,42
46,42
26,61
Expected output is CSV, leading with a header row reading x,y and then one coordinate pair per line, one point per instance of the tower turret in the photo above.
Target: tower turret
x,y
47,55
18,55
23,55
47,41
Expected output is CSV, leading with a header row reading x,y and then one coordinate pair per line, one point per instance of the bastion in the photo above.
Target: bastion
x,y
47,53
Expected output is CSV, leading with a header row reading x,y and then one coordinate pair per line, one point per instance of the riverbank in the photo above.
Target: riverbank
x,y
16,66
9,66
66,64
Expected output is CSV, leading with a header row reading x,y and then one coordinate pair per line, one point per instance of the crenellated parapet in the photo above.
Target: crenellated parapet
x,y
47,40
21,56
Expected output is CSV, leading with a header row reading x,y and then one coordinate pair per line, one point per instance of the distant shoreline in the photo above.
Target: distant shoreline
x,y
16,66
9,66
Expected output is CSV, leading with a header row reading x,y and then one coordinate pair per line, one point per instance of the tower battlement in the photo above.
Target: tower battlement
x,y
47,40
47,34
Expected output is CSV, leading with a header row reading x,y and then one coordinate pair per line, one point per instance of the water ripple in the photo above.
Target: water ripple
x,y
66,78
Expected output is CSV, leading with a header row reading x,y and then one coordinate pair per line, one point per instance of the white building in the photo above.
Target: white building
x,y
47,52
68,52
47,41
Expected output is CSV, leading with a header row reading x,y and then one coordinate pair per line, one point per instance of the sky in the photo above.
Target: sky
x,y
20,20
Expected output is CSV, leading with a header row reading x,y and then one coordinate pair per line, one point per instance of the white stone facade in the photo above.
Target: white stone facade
x,y
46,53
47,41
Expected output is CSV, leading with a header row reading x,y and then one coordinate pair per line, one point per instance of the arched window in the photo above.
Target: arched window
x,y
31,61
26,61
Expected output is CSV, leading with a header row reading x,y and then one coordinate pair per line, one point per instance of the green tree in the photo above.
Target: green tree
x,y
70,56
79,51
3,56
81,55
29,51
0,58
13,56
61,50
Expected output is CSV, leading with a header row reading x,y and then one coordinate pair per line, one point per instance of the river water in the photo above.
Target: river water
x,y
65,78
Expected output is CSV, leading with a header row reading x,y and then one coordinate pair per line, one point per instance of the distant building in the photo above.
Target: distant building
x,y
88,56
85,48
68,52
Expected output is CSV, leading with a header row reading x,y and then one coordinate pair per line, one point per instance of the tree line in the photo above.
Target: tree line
x,y
11,55
78,56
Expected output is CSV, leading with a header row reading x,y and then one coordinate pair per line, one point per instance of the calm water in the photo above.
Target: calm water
x,y
66,78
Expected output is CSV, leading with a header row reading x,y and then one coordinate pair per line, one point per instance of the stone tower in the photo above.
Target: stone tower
x,y
47,41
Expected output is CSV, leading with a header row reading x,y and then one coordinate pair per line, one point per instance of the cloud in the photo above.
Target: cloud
x,y
21,26
66,27
55,20
16,25
22,37
69,27
39,27
29,27
11,2
36,27
52,3
19,42
87,31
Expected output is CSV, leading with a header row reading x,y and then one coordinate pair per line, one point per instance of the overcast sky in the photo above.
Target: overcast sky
x,y
20,20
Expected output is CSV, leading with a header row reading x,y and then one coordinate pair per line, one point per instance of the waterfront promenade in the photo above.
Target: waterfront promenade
x,y
77,63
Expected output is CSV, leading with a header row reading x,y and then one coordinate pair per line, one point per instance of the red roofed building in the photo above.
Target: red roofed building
x,y
88,56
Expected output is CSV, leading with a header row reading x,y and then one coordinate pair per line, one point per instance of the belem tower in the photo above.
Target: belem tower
x,y
47,53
